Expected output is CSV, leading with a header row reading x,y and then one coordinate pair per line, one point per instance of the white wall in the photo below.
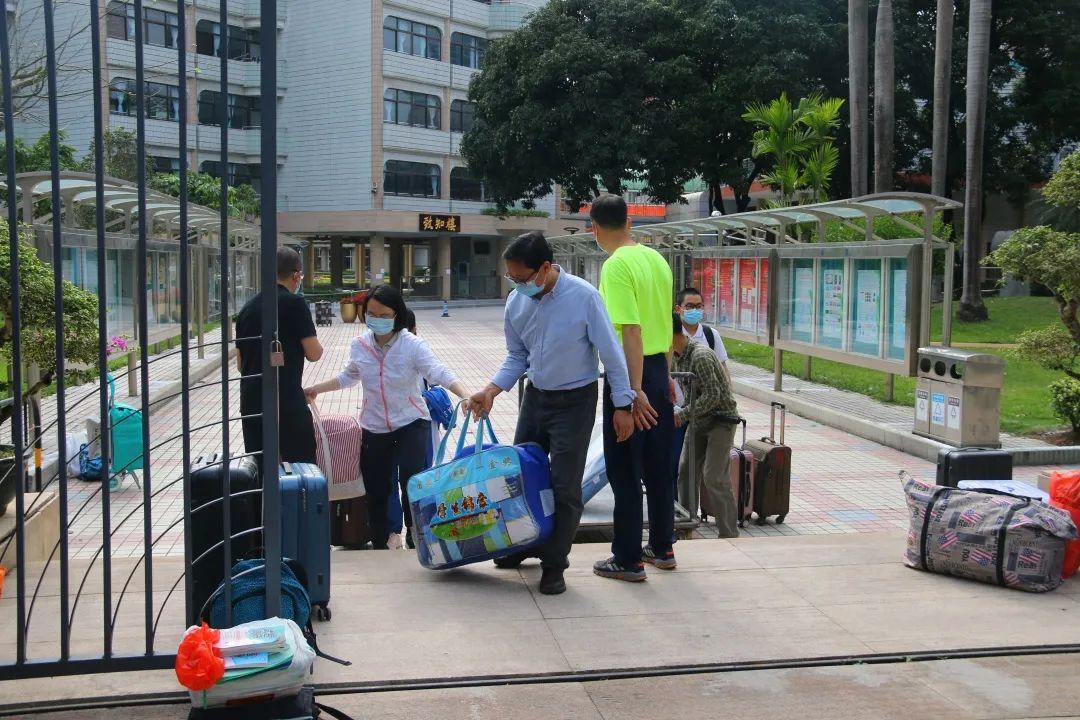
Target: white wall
x,y
327,108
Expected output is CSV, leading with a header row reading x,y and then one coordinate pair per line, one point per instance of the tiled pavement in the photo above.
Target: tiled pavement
x,y
840,483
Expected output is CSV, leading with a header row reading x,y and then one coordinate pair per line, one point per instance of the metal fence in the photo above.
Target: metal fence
x,y
93,629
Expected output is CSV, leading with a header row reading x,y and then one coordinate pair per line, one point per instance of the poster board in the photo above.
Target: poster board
x,y
865,326
748,294
725,293
896,331
831,289
763,296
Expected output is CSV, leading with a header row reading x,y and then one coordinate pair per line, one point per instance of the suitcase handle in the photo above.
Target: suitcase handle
x,y
772,420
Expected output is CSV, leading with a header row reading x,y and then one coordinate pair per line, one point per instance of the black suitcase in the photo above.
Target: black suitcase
x,y
208,520
957,464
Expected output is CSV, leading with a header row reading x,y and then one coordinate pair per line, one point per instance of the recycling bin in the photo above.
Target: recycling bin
x,y
958,397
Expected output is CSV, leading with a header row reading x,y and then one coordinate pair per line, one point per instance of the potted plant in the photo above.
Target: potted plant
x,y
348,309
38,339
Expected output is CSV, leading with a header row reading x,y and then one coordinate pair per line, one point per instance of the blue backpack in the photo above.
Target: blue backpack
x,y
248,579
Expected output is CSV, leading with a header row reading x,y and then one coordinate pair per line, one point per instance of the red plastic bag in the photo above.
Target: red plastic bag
x,y
1065,494
198,665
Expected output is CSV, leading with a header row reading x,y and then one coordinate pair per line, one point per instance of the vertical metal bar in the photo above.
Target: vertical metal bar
x,y
223,269
947,301
927,278
58,317
185,288
16,344
271,497
144,333
103,319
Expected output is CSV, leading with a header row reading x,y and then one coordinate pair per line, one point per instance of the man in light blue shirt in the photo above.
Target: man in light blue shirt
x,y
557,330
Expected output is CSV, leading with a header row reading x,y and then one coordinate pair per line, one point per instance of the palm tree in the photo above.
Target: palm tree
x,y
942,83
799,139
979,22
858,62
884,91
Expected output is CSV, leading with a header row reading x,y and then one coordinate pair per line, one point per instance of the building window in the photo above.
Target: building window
x,y
412,179
243,42
465,187
162,101
467,50
238,173
403,107
244,110
462,115
159,27
412,38
165,164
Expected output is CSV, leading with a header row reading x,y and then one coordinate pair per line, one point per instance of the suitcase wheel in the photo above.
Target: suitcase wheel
x,y
761,520
322,613
780,519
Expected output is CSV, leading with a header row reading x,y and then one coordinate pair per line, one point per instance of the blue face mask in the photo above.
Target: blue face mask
x,y
528,289
380,326
692,317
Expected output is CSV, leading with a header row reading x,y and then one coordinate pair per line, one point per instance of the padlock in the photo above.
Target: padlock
x,y
277,355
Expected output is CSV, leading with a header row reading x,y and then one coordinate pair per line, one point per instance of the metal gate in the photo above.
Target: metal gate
x,y
107,598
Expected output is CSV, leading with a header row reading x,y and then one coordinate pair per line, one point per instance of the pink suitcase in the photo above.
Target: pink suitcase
x,y
742,481
337,448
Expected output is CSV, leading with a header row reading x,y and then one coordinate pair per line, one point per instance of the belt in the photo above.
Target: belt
x,y
561,392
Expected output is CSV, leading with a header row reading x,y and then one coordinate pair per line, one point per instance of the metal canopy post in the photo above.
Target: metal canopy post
x,y
947,301
927,277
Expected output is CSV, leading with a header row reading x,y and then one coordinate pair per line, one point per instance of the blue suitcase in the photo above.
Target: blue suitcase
x,y
305,529
488,502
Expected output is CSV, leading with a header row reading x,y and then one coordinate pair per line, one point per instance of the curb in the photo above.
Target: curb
x,y
889,436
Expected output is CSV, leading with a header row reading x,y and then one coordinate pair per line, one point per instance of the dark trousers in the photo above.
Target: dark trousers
x,y
561,423
296,436
644,458
404,449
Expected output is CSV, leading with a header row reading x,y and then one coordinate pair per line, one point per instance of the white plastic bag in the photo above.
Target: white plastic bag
x,y
278,683
73,442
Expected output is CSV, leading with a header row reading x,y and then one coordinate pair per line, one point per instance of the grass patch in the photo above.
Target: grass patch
x,y
1008,318
1025,397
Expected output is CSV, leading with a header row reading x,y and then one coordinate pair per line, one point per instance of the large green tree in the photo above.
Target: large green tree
x,y
590,93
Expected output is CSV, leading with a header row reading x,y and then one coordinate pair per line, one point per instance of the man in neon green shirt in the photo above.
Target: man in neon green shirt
x,y
636,285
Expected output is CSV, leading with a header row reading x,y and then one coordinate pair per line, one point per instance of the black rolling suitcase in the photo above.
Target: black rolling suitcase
x,y
957,464
208,520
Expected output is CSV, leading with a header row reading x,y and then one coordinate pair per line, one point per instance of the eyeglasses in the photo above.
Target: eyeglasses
x,y
515,281
693,306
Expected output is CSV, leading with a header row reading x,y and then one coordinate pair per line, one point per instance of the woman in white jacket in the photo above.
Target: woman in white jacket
x,y
389,362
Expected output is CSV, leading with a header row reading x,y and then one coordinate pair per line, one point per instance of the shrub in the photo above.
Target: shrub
x,y
1065,400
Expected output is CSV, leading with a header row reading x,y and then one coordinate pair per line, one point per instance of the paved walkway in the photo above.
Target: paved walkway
x,y
990,689
745,600
840,483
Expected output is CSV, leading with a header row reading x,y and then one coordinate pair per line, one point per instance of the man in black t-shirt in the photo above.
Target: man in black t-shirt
x,y
296,331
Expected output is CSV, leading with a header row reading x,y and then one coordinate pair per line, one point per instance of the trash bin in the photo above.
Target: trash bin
x,y
958,397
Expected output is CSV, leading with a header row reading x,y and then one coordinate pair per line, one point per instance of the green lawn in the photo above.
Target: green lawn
x,y
1008,317
1025,401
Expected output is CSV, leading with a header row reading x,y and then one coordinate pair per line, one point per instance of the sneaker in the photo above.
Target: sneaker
x,y
551,582
611,569
511,562
667,562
